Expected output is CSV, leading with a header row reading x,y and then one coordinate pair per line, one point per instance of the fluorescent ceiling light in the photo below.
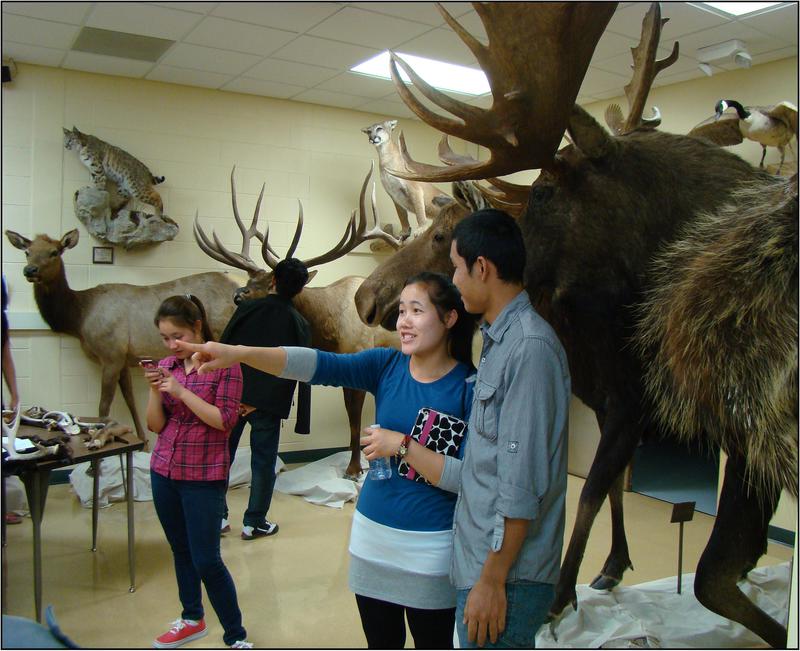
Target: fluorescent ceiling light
x,y
740,8
445,76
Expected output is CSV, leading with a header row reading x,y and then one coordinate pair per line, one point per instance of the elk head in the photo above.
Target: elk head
x,y
260,280
43,254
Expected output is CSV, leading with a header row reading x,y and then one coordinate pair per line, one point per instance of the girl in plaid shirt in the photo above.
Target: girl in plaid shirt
x,y
193,416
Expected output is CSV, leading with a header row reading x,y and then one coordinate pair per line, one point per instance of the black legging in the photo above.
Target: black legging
x,y
385,627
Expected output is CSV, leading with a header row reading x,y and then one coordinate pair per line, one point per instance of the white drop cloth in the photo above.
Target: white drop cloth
x,y
112,490
653,615
323,482
16,501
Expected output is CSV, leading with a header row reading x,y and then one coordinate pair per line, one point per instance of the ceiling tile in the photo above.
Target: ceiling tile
x,y
234,35
106,65
368,28
198,57
292,16
421,12
329,98
310,49
186,77
62,12
290,72
42,56
196,7
783,53
135,18
598,81
683,19
441,44
262,87
756,41
388,109
38,32
473,24
612,45
686,75
354,84
781,22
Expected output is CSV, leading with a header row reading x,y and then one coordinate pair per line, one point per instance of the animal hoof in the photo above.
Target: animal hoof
x,y
604,582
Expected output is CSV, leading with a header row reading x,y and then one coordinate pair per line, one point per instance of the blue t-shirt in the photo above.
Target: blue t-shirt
x,y
398,502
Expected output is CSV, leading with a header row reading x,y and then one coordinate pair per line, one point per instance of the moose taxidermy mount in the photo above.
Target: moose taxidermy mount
x,y
623,235
408,196
120,183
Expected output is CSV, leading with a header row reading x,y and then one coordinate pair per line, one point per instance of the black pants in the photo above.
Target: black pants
x,y
385,627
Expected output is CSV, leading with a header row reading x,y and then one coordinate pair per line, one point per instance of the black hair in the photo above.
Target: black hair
x,y
445,297
496,236
185,310
291,275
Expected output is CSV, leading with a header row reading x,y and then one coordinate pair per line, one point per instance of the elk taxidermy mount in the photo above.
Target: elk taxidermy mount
x,y
330,311
408,196
616,228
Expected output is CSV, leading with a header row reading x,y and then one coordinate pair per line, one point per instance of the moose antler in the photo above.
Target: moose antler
x,y
645,68
531,100
354,234
504,195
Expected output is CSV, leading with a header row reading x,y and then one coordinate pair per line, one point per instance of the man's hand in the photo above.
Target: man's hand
x,y
485,612
211,355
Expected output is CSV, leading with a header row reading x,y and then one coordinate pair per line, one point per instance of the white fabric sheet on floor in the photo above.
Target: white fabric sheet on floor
x,y
112,490
16,501
652,615
323,482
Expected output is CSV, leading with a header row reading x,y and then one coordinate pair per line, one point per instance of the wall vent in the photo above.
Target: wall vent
x,y
121,44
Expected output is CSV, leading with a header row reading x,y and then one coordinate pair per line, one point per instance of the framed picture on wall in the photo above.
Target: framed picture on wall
x,y
103,255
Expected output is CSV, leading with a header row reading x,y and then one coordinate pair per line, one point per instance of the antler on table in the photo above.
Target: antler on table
x,y
531,100
645,69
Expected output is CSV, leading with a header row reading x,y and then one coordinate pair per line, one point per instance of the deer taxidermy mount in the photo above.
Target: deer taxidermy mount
x,y
597,223
408,196
114,321
120,184
330,311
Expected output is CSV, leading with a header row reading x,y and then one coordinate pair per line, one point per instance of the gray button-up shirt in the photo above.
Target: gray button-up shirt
x,y
515,463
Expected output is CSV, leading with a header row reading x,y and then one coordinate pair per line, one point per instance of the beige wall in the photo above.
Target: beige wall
x,y
193,137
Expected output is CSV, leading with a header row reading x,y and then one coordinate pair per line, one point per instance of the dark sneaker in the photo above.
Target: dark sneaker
x,y
266,529
181,632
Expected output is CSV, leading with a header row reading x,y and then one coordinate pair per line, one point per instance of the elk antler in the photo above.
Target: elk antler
x,y
645,68
531,99
354,234
217,250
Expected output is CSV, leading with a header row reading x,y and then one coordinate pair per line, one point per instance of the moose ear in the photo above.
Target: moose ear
x,y
311,274
70,239
591,138
17,240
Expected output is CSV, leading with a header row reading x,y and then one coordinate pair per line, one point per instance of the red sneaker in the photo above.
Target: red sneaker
x,y
13,518
182,631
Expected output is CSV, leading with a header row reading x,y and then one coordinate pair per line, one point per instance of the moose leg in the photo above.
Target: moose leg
x,y
738,540
618,559
618,440
354,403
127,392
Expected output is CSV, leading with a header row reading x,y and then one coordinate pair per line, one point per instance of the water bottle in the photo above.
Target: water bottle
x,y
379,468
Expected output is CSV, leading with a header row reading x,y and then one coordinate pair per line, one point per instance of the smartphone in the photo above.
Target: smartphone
x,y
146,362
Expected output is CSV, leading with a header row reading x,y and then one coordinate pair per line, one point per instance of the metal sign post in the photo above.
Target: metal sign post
x,y
681,512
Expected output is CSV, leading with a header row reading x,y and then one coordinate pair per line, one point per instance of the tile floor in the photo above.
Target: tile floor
x,y
292,587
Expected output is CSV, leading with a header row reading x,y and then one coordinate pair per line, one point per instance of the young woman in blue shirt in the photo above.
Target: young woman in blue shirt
x,y
401,537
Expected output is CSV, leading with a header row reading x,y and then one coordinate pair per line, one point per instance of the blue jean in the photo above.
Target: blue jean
x,y
265,435
190,512
527,604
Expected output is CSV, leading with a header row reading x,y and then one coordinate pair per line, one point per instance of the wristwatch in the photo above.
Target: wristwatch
x,y
403,451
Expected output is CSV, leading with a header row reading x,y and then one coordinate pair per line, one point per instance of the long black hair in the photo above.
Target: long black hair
x,y
185,310
445,297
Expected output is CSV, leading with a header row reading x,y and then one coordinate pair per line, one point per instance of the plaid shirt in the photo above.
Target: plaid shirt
x,y
187,448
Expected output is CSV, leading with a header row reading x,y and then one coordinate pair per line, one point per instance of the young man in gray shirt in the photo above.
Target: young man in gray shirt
x,y
509,518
